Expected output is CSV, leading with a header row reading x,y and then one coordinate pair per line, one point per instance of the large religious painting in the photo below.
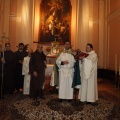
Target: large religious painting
x,y
55,21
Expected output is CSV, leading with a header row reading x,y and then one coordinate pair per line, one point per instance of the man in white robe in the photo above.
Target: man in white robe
x,y
25,72
88,66
65,63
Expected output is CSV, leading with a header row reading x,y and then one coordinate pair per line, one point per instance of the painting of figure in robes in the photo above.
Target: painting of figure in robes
x,y
55,21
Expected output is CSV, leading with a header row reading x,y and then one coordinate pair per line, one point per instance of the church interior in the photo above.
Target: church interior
x,y
88,21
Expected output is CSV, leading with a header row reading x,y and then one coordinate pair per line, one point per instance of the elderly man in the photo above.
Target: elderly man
x,y
37,67
88,90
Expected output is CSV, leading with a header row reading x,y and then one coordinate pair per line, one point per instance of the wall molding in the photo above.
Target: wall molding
x,y
117,13
111,14
13,16
110,34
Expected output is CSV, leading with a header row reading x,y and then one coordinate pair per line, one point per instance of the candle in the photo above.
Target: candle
x,y
115,63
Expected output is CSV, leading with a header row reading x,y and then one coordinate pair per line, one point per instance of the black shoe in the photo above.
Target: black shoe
x,y
69,100
60,100
88,103
94,104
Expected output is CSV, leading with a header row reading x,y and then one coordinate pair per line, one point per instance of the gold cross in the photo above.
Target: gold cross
x,y
3,38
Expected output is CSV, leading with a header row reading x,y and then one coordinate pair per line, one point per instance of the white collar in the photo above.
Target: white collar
x,y
91,52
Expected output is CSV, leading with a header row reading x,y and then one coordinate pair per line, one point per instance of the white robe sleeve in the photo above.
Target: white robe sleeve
x,y
94,64
58,61
90,66
25,67
87,68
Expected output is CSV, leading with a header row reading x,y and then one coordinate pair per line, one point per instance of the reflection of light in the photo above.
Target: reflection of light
x,y
37,19
90,23
19,19
73,24
25,12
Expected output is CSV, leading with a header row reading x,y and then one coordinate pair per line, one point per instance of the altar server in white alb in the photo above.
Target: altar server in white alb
x,y
25,72
88,66
65,63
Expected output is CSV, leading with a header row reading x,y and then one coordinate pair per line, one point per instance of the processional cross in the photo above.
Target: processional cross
x,y
3,38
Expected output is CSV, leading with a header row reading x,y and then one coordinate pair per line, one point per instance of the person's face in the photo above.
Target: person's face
x,y
88,48
67,45
21,47
7,47
40,48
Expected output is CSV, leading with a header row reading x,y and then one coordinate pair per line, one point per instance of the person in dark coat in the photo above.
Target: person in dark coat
x,y
19,78
37,67
1,72
8,61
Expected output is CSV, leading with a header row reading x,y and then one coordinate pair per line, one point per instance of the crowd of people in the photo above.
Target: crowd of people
x,y
24,71
11,78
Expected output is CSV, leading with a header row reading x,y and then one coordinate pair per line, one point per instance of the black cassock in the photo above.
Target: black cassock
x,y
8,72
0,72
19,78
37,64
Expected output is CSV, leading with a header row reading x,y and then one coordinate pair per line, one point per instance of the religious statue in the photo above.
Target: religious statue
x,y
55,48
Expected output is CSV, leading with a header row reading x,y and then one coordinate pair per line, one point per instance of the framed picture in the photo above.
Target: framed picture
x,y
55,21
